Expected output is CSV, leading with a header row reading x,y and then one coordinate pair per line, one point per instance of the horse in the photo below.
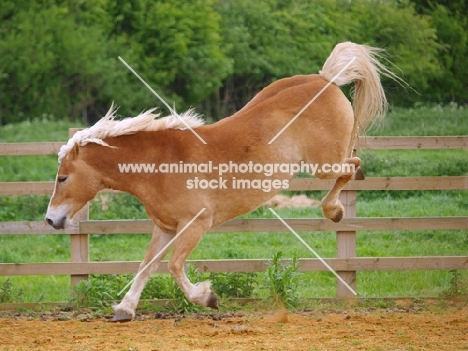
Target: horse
x,y
187,177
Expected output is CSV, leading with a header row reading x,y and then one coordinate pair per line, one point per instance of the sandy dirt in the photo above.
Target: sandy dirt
x,y
397,328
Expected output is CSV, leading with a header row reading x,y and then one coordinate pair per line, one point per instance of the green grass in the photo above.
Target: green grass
x,y
425,120
32,168
402,163
38,129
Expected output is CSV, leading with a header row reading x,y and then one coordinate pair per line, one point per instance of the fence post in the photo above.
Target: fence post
x,y
79,243
346,244
79,246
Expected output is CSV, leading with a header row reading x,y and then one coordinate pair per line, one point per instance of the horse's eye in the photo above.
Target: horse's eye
x,y
61,179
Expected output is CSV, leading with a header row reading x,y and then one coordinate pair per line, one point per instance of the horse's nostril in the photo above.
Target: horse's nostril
x,y
50,222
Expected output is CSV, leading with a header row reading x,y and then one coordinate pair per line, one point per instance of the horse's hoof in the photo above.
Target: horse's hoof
x,y
338,216
359,174
121,317
213,301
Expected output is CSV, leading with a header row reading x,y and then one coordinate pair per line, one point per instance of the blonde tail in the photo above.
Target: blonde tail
x,y
369,101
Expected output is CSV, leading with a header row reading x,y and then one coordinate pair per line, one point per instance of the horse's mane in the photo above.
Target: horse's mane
x,y
108,127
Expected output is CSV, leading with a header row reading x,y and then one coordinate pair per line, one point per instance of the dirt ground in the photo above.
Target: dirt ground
x,y
442,326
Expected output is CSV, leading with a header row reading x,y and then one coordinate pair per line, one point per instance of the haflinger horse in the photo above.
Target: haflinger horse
x,y
324,133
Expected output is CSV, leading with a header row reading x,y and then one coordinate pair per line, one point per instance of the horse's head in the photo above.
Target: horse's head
x,y
76,184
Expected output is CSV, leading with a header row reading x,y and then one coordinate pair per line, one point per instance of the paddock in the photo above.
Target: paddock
x,y
345,263
407,324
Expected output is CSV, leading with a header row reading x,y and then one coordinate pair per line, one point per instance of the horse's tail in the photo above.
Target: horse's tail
x,y
351,62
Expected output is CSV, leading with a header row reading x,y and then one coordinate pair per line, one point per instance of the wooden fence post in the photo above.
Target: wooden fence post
x,y
79,246
346,244
79,243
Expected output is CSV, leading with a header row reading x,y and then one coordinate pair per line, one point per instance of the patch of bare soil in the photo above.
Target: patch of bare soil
x,y
396,328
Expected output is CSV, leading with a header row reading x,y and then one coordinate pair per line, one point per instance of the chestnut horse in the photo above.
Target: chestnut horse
x,y
323,134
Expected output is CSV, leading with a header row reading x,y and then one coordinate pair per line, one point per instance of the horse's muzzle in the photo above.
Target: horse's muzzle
x,y
58,224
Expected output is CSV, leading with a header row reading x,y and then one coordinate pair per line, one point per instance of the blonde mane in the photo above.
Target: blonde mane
x,y
108,127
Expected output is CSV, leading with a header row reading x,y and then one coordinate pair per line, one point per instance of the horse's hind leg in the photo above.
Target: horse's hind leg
x,y
199,293
125,311
332,208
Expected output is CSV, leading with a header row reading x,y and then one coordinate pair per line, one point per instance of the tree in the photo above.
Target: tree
x,y
408,38
272,39
52,65
60,57
451,25
180,49
268,40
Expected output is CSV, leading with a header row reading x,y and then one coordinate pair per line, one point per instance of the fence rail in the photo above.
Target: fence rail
x,y
143,226
246,265
375,183
346,263
369,143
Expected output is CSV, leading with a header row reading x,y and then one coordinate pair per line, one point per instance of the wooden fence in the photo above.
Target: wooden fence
x,y
346,263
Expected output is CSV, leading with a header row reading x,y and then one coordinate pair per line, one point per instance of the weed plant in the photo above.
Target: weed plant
x,y
282,281
8,293
101,291
458,285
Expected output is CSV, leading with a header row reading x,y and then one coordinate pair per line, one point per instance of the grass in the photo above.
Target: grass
x,y
32,168
423,120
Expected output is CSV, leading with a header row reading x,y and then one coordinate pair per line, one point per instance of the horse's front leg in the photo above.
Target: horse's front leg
x,y
125,311
332,208
199,293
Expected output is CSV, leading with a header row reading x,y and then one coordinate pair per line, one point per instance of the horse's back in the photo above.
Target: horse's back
x,y
280,85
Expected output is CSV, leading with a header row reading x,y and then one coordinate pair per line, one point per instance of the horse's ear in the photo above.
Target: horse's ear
x,y
74,151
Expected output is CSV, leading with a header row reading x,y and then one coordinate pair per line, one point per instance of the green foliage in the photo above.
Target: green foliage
x,y
179,302
180,41
234,285
268,40
449,19
452,34
385,24
93,293
282,280
8,293
59,58
458,285
27,207
52,64
272,39
100,291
